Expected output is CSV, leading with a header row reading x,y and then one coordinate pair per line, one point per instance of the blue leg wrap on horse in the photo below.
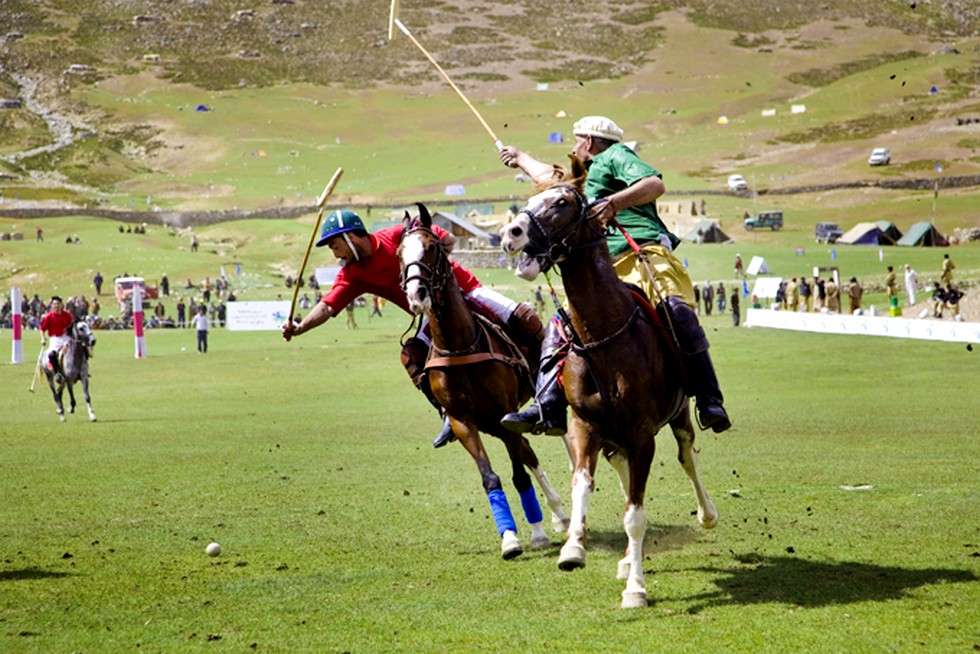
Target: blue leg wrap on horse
x,y
501,511
532,510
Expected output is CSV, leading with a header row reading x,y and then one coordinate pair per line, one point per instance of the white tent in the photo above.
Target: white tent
x,y
757,267
766,287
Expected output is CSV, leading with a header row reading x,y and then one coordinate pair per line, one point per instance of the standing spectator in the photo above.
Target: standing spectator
x,y
201,324
739,267
304,302
95,308
539,301
948,268
708,295
165,284
721,297
820,291
181,312
854,294
806,295
911,283
194,244
733,302
222,313
953,296
97,282
938,300
891,283
376,306
39,235
351,322
793,295
207,293
781,295
833,296
159,311
697,299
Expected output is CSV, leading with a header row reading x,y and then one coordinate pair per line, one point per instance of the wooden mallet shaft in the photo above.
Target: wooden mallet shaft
x,y
394,22
321,203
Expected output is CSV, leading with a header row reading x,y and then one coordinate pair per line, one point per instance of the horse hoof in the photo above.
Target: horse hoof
x,y
510,547
61,417
709,518
91,418
634,600
571,557
623,569
540,542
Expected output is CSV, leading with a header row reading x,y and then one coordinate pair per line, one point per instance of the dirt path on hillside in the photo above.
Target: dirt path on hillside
x,y
63,128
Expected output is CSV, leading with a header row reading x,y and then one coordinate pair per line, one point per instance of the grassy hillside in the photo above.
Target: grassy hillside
x,y
338,94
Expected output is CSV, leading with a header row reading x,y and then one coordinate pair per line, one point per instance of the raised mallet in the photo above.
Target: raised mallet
x,y
321,203
394,22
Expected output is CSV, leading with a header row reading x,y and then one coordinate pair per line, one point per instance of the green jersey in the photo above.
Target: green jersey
x,y
612,170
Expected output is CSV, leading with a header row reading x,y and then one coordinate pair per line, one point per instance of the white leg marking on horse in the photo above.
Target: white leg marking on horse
x,y
635,523
539,538
707,513
510,546
91,412
559,521
573,552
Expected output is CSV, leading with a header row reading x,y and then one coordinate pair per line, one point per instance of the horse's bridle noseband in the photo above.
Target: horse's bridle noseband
x,y
550,249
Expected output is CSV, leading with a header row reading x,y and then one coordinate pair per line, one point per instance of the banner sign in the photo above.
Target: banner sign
x,y
256,316
832,323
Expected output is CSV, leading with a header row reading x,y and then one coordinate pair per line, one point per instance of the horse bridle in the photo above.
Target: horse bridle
x,y
551,249
432,278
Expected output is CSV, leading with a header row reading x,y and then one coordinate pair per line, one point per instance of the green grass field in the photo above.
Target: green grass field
x,y
343,531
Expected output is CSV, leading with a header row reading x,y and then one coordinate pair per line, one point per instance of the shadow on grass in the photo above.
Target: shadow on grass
x,y
30,573
659,538
809,584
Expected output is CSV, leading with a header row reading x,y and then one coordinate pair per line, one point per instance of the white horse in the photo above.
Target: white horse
x,y
74,364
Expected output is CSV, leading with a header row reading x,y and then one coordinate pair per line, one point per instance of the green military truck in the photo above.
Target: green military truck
x,y
767,219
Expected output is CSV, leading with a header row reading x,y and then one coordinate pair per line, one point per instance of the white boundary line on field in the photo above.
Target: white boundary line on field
x,y
923,329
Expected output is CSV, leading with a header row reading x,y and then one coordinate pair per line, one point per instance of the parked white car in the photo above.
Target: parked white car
x,y
880,157
737,183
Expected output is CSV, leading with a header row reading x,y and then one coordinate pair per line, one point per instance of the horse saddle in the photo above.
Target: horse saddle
x,y
492,343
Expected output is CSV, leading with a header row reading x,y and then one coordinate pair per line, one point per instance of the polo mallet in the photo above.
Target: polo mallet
x,y
394,22
321,202
37,367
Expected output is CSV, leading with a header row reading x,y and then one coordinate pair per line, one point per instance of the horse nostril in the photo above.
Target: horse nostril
x,y
516,232
421,293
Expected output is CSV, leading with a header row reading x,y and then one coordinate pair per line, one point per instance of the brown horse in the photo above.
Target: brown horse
x,y
620,376
477,377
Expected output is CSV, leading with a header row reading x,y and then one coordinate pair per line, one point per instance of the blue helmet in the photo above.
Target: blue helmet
x,y
339,222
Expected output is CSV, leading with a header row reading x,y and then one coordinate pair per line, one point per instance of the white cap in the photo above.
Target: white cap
x,y
598,126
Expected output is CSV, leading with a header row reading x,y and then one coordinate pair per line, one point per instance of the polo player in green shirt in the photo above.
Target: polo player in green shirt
x,y
621,185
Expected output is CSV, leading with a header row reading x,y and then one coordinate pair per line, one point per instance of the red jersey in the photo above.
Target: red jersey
x,y
380,273
57,324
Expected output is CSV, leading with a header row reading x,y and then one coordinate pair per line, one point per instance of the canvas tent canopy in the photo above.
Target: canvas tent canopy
x,y
923,234
865,234
757,266
889,229
706,231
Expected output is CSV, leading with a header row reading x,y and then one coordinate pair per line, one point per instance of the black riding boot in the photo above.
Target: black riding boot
x,y
59,374
414,353
701,381
547,414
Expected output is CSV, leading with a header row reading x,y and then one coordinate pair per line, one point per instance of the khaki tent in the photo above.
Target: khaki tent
x,y
865,234
706,231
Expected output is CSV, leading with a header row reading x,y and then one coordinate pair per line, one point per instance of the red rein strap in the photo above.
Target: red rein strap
x,y
629,239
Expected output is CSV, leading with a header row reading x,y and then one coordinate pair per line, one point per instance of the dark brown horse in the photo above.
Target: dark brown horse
x,y
620,376
477,377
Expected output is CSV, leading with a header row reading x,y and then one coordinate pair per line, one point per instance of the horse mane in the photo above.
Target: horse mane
x,y
574,178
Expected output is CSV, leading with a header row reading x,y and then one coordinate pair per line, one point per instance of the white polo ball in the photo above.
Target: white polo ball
x,y
213,549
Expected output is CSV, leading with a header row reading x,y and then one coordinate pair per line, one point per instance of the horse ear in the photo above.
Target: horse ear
x,y
578,173
424,215
407,220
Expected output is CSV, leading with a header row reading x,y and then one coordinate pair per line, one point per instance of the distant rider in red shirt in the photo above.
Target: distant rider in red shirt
x,y
370,264
56,324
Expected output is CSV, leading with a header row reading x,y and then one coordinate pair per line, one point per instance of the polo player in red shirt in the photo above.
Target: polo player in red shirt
x,y
370,264
55,324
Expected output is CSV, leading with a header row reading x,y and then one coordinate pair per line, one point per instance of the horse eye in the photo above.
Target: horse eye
x,y
562,202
